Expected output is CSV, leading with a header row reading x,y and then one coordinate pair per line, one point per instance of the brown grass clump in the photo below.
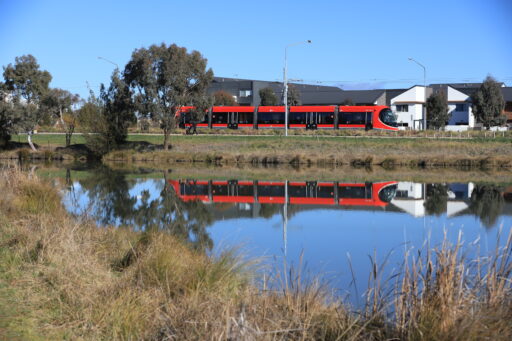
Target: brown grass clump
x,y
64,279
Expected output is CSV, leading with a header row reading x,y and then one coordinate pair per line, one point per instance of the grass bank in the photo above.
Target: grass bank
x,y
61,278
306,150
376,148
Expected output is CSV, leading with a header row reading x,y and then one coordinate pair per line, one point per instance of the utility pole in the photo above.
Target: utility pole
x,y
285,83
424,93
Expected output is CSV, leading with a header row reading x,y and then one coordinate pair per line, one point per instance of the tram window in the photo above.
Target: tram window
x,y
219,189
193,189
297,117
352,118
271,191
387,117
297,191
246,191
325,192
245,117
271,118
351,192
220,117
325,118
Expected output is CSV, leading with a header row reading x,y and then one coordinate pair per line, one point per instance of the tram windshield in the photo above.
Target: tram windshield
x,y
387,117
388,193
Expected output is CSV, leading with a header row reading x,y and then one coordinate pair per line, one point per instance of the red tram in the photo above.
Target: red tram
x,y
299,193
299,117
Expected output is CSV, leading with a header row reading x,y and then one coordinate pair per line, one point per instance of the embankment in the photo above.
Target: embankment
x,y
63,278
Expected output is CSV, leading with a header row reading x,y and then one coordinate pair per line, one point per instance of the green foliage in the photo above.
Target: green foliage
x,y
437,110
165,78
488,103
110,190
268,96
59,104
487,203
25,80
293,95
107,117
347,101
118,109
25,86
223,98
8,117
437,199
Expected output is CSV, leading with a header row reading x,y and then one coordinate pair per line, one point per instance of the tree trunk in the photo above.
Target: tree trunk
x,y
166,139
29,138
69,134
68,139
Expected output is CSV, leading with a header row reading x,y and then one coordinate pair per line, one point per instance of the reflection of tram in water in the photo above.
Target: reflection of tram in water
x,y
377,194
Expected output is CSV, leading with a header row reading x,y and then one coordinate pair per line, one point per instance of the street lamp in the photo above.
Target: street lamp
x,y
109,61
425,91
285,83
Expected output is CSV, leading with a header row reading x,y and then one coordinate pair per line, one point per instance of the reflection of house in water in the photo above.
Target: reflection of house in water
x,y
411,198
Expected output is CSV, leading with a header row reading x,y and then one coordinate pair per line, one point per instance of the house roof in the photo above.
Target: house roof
x,y
507,93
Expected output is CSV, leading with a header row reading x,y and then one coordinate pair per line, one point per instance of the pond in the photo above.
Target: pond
x,y
332,226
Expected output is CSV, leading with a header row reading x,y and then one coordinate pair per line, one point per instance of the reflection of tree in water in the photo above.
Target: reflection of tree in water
x,y
113,205
185,219
487,203
109,192
269,210
437,198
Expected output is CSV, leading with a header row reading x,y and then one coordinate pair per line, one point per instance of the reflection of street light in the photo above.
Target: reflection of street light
x,y
425,91
285,83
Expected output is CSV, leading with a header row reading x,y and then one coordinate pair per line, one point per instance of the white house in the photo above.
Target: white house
x,y
408,107
459,106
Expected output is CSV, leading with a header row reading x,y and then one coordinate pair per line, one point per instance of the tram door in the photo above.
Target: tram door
x,y
311,120
233,120
368,120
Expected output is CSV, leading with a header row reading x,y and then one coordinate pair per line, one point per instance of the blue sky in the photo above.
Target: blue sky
x,y
356,44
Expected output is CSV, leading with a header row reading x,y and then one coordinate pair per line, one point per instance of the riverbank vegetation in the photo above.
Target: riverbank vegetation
x,y
293,150
62,277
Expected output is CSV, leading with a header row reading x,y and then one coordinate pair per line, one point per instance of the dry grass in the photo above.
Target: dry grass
x,y
71,280
304,150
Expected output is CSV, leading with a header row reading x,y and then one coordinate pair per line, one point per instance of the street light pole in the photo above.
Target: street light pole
x,y
424,93
109,61
285,83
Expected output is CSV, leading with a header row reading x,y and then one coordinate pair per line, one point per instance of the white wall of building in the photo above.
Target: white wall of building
x,y
414,98
459,106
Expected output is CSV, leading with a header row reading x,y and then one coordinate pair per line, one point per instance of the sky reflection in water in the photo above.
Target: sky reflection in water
x,y
352,220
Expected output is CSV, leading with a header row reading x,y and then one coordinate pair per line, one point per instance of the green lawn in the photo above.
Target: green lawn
x,y
258,140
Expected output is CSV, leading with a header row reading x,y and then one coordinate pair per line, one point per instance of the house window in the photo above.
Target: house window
x,y
402,108
245,93
460,107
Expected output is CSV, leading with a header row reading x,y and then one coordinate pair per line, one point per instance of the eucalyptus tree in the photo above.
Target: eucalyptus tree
x,y
268,96
61,104
26,85
293,95
164,79
488,103
222,97
437,110
108,116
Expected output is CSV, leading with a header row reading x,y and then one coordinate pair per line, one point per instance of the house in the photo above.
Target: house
x,y
408,107
507,96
